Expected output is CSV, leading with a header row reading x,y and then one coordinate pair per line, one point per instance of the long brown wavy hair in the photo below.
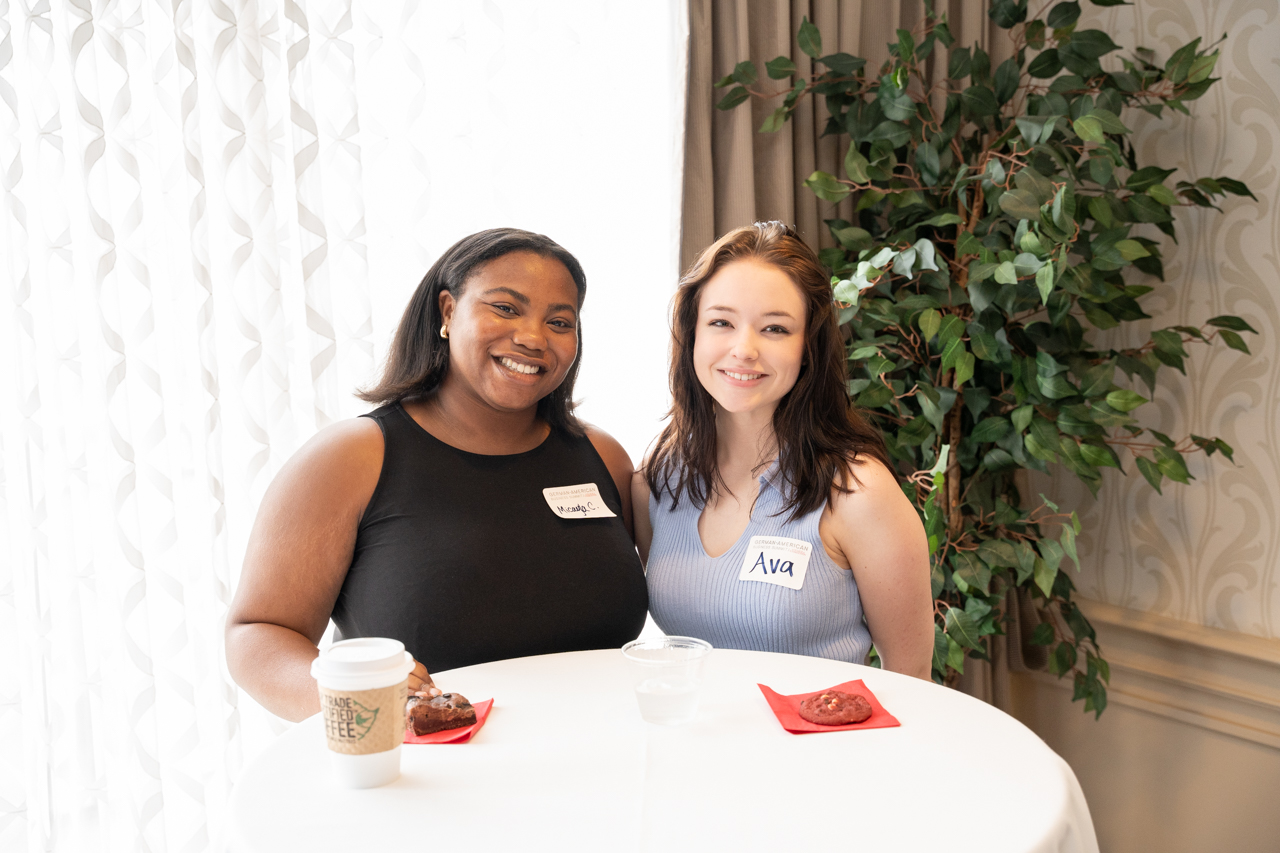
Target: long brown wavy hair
x,y
819,432
419,357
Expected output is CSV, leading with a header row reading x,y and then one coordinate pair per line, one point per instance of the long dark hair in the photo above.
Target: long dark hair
x,y
419,357
819,432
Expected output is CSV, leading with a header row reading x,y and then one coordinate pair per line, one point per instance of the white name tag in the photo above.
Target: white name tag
x,y
577,501
776,560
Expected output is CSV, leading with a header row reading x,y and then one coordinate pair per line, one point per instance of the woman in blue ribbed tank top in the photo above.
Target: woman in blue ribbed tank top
x,y
775,522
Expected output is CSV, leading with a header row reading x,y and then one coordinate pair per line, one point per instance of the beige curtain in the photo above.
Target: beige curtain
x,y
733,174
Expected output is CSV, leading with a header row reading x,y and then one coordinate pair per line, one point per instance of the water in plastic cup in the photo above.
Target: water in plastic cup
x,y
666,673
364,684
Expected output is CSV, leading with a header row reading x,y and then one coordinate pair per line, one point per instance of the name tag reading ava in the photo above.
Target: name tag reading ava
x,y
577,501
776,560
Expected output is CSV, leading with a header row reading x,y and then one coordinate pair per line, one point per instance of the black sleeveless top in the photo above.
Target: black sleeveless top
x,y
460,557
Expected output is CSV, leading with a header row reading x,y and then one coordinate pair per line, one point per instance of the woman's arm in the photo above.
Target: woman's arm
x,y
298,555
619,465
879,533
640,508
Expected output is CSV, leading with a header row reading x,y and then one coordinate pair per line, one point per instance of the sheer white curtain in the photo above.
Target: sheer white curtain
x,y
212,214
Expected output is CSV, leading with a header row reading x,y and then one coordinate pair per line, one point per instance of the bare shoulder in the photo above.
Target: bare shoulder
x,y
614,455
877,498
341,464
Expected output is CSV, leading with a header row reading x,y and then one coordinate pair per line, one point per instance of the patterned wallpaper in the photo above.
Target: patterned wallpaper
x,y
1207,553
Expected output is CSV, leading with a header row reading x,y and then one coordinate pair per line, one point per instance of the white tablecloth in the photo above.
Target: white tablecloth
x,y
565,763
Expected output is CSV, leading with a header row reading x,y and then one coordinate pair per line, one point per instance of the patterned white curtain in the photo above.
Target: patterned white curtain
x,y
212,215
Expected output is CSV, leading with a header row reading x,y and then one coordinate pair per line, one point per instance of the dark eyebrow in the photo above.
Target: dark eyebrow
x,y
729,310
524,300
514,294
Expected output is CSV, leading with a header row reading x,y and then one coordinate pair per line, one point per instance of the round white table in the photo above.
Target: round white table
x,y
957,775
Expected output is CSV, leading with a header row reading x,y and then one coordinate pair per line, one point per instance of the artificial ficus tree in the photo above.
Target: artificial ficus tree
x,y
1002,219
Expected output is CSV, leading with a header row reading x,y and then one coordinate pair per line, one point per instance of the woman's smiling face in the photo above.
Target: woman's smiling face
x,y
749,343
513,334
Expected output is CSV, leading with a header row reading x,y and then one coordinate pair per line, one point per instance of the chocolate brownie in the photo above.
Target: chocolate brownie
x,y
835,708
436,714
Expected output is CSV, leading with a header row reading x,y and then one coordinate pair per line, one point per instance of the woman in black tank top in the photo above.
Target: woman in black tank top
x,y
470,516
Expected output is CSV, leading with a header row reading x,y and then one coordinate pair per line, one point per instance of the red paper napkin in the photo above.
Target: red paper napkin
x,y
461,735
787,710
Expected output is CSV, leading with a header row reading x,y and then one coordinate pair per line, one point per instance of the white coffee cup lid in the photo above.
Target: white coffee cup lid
x,y
363,657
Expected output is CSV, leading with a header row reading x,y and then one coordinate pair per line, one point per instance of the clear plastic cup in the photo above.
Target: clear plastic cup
x,y
667,672
364,684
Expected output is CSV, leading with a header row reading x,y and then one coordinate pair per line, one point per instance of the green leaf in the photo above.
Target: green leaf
x,y
895,103
1099,457
1064,658
983,344
1110,121
1006,273
940,648
1092,44
1125,401
1162,194
775,120
955,656
991,429
1235,324
843,63
964,368
998,553
1131,250
744,73
1006,80
875,396
1055,387
929,321
1234,341
1046,65
1089,129
855,165
1044,282
906,45
780,68
1145,178
951,353
863,352
736,96
939,220
979,101
1097,379
1043,634
809,38
895,133
1150,471
827,187
1044,576
1035,183
1050,550
963,628
1171,464
1063,15
1020,204
1021,417
969,568
1068,540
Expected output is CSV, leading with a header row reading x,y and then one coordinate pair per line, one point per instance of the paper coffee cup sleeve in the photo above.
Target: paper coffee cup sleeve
x,y
360,722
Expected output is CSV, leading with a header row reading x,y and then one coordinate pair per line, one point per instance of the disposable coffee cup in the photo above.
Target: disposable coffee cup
x,y
364,684
666,673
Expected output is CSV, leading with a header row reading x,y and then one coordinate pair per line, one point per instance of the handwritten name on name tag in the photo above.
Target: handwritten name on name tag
x,y
776,560
582,501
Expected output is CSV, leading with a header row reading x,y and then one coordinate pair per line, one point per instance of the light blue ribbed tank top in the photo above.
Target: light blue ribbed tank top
x,y
693,594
